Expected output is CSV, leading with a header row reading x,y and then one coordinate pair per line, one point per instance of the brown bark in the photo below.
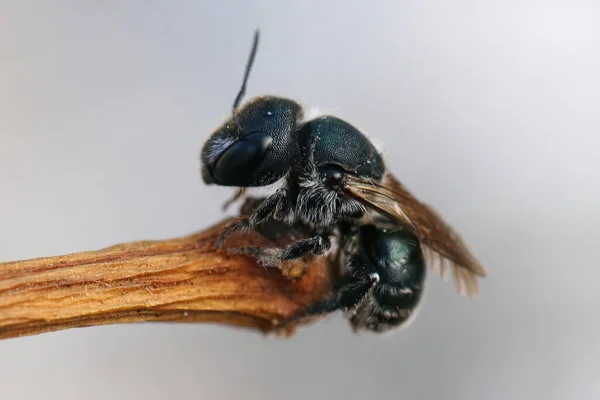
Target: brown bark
x,y
177,280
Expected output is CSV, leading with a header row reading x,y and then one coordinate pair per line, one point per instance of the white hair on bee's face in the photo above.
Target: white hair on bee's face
x,y
218,147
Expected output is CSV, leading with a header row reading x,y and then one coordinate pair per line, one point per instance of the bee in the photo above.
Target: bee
x,y
335,185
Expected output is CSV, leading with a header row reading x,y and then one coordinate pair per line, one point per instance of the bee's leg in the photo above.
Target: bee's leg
x,y
348,298
274,257
358,282
277,205
317,245
354,293
250,205
236,196
321,307
265,256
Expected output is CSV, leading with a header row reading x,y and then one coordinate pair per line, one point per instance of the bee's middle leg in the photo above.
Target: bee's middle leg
x,y
275,256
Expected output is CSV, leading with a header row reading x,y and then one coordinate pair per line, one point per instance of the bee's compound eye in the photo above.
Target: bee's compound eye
x,y
243,157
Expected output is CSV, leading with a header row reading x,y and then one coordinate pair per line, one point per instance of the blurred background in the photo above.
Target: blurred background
x,y
488,110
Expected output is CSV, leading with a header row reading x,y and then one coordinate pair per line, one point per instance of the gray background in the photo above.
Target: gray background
x,y
487,109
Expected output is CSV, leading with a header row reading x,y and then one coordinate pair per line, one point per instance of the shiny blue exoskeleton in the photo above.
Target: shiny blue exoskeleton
x,y
268,140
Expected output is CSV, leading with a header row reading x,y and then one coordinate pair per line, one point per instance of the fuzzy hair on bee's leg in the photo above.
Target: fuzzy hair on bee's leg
x,y
343,300
276,205
321,307
239,193
264,256
275,228
353,294
373,314
273,257
317,245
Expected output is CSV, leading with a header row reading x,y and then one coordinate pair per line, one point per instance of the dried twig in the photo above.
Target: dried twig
x,y
178,280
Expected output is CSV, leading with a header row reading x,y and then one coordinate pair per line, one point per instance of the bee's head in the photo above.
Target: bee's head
x,y
255,147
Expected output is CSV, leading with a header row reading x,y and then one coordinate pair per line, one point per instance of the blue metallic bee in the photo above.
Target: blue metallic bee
x,y
335,186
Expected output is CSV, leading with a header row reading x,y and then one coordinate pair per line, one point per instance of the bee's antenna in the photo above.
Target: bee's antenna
x,y
242,91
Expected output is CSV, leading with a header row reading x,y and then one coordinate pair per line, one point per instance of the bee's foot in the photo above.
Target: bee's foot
x,y
264,256
229,229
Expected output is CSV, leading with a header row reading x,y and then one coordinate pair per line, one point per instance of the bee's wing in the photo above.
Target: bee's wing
x,y
442,245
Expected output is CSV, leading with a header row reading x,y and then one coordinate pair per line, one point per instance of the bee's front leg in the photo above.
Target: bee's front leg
x,y
277,205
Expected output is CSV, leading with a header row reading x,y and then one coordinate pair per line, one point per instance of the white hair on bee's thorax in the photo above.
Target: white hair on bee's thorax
x,y
315,112
312,113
